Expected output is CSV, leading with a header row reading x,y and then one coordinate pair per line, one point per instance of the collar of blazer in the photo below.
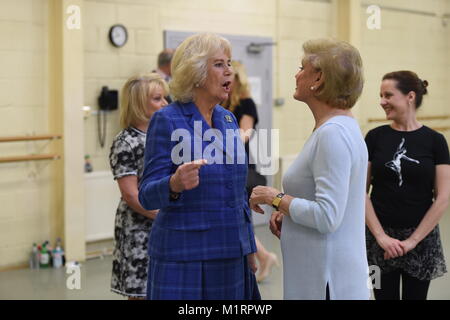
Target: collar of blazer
x,y
220,118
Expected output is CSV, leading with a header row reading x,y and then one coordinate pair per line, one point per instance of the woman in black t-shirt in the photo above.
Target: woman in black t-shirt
x,y
244,109
410,176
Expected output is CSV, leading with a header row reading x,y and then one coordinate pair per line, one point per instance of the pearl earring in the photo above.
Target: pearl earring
x,y
197,85
312,88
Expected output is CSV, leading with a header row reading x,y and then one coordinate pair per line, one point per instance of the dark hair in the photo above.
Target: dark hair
x,y
165,57
408,81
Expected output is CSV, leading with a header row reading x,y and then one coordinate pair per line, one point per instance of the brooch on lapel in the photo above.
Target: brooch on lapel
x,y
228,118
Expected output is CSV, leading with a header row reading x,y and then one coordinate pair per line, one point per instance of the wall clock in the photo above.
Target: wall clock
x,y
118,35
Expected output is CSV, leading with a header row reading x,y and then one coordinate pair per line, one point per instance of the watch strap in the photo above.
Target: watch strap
x,y
277,200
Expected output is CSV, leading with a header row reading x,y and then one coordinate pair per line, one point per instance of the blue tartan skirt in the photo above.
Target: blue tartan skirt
x,y
225,279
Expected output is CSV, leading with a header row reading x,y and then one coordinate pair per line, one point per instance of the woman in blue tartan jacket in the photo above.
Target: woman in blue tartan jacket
x,y
202,243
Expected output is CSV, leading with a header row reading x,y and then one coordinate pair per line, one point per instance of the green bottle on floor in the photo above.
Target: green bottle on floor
x,y
45,257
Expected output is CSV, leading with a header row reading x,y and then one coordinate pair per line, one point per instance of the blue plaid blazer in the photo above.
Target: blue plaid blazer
x,y
213,220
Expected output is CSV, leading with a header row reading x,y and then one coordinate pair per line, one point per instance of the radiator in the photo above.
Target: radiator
x,y
102,197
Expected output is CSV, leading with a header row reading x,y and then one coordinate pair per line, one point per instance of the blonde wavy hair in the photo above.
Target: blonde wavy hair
x,y
134,97
241,86
342,69
189,65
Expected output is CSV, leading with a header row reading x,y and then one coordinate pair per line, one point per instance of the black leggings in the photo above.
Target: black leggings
x,y
327,295
412,288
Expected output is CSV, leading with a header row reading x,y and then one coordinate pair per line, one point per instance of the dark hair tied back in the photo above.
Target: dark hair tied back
x,y
425,85
408,81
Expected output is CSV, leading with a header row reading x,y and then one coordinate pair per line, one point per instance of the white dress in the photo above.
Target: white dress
x,y
323,240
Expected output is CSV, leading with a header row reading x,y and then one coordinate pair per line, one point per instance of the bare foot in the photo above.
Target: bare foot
x,y
266,266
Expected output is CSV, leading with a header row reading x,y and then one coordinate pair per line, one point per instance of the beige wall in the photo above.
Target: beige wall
x,y
407,40
24,187
289,22
72,77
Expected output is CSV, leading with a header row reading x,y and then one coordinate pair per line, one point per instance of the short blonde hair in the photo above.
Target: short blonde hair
x,y
134,97
241,87
342,68
190,63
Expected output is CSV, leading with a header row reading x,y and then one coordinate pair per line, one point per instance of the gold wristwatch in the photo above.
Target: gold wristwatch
x,y
277,200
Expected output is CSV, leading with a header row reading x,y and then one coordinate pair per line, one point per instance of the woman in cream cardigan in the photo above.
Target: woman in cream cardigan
x,y
322,210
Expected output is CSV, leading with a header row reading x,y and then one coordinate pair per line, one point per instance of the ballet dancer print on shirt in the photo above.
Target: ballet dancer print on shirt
x,y
396,165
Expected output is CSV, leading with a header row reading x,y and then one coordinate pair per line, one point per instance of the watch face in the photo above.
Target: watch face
x,y
118,35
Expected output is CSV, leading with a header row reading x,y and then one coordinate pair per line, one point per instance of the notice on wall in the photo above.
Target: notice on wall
x,y
256,89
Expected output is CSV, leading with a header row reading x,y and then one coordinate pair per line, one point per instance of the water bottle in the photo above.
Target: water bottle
x,y
57,257
63,257
87,164
49,248
45,257
34,257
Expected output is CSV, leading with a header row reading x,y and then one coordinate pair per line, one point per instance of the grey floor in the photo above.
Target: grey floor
x,y
95,276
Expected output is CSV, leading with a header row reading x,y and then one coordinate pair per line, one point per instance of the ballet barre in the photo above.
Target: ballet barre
x,y
446,128
441,117
32,157
30,138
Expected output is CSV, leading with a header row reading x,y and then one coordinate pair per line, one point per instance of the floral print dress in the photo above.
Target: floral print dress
x,y
131,230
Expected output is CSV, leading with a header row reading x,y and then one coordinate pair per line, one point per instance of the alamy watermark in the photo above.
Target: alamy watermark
x,y
74,280
231,145
374,20
73,22
374,280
